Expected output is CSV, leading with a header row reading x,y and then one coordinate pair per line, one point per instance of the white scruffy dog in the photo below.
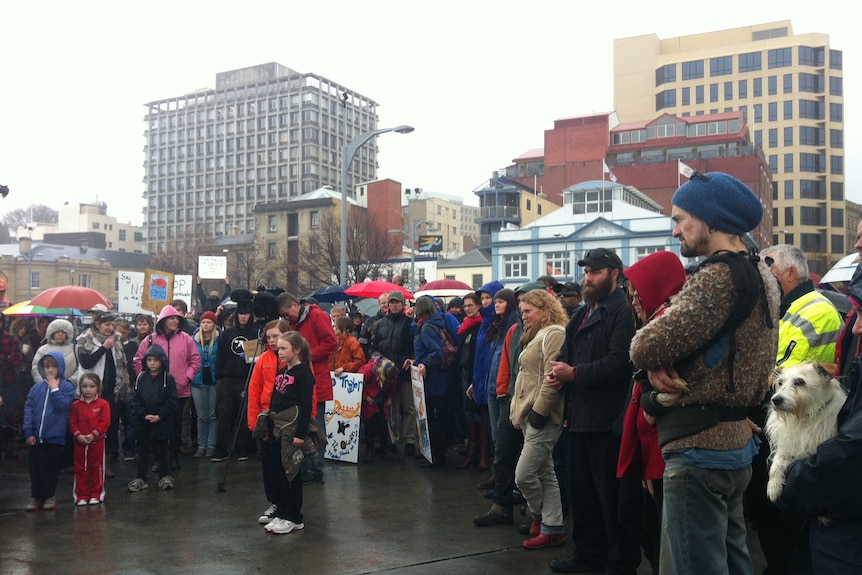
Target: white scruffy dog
x,y
802,415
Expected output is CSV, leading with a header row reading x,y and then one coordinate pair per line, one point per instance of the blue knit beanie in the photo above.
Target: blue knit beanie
x,y
721,201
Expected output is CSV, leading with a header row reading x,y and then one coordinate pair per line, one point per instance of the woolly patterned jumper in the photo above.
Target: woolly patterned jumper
x,y
695,315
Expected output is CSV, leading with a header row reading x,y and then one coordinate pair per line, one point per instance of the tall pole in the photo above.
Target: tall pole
x,y
347,153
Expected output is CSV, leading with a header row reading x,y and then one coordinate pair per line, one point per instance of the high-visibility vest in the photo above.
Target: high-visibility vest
x,y
808,331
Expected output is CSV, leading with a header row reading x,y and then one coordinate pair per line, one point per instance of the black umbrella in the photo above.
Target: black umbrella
x,y
330,294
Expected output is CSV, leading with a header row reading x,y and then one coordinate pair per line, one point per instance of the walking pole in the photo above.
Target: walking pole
x,y
240,420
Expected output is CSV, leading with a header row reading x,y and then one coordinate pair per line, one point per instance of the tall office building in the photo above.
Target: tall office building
x,y
790,89
264,134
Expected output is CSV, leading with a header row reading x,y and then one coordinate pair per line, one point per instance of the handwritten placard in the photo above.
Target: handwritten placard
x,y
342,417
212,267
418,384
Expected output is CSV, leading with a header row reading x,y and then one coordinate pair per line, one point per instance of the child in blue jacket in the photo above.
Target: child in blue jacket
x,y
46,416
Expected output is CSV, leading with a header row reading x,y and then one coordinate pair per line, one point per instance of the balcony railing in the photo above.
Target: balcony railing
x,y
500,212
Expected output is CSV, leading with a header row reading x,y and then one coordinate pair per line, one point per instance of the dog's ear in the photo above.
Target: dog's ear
x,y
774,375
826,368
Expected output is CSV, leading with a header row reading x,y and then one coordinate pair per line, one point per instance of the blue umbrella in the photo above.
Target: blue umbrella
x,y
330,294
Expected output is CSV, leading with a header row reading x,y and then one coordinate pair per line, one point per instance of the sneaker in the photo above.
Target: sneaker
x,y
535,527
81,503
219,458
286,526
242,457
543,540
50,504
267,515
200,452
35,505
210,453
137,484
166,482
128,457
275,522
94,501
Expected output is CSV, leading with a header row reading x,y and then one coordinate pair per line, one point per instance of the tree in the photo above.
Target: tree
x,y
180,256
35,213
368,247
5,237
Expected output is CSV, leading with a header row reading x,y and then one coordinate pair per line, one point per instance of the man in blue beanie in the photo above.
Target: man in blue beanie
x,y
719,367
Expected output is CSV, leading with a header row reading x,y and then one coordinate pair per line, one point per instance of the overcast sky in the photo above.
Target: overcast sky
x,y
479,80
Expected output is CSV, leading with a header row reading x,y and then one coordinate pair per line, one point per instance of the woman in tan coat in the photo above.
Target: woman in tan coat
x,y
537,410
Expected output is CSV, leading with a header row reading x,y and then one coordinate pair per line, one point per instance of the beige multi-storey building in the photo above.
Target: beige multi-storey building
x,y
790,88
445,216
90,224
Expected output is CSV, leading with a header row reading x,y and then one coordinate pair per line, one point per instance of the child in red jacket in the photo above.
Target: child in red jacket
x,y
89,419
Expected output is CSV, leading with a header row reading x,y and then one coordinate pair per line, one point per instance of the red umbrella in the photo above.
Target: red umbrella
x,y
375,289
446,285
71,296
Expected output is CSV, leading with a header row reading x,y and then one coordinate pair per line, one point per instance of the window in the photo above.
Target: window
x,y
788,136
788,110
836,139
515,266
788,163
837,244
692,70
788,195
812,163
85,280
35,281
728,91
315,219
810,56
665,74
686,96
122,235
787,83
812,190
95,225
758,113
772,111
772,85
773,163
750,62
812,216
773,138
477,281
836,112
698,94
742,88
721,66
557,264
837,217
779,58
665,99
757,84
810,136
811,83
788,216
836,86
713,92
273,224
836,164
836,59
272,250
811,110
837,191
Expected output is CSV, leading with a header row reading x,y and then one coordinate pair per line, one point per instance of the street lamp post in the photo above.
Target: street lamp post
x,y
347,153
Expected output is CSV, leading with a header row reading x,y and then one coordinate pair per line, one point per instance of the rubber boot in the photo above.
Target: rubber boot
x,y
485,454
472,456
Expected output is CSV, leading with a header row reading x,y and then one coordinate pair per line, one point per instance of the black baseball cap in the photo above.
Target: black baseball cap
x,y
600,258
570,289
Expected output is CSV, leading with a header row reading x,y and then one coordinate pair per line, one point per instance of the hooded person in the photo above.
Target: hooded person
x,y
60,337
184,363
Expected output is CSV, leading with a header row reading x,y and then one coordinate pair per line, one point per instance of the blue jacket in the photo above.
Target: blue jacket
x,y
46,413
452,324
428,350
482,357
496,350
208,359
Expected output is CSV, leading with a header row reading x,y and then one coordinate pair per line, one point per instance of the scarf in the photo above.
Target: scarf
x,y
469,323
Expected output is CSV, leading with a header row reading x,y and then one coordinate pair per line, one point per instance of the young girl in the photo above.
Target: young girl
x,y
349,356
292,397
204,385
89,420
46,416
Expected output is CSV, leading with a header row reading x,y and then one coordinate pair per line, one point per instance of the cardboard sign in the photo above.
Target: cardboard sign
x,y
342,417
212,267
158,290
130,287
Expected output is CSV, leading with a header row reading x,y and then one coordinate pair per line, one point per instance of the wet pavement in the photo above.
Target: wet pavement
x,y
382,517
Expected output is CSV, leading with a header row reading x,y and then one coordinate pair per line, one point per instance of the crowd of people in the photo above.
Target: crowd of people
x,y
631,404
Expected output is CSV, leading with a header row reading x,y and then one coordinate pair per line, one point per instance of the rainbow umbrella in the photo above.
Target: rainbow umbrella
x,y
25,308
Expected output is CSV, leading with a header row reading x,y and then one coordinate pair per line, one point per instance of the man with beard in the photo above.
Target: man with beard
x,y
714,348
596,372
233,370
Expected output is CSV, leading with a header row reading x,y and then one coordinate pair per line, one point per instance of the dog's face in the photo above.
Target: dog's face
x,y
804,389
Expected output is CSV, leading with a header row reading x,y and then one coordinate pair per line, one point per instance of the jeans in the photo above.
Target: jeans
x,y
536,479
493,414
507,450
205,405
703,528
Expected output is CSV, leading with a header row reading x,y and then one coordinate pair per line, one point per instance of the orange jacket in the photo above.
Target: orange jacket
x,y
261,383
349,355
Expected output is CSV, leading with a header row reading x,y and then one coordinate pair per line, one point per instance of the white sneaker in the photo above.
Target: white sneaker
x,y
94,501
81,502
268,514
286,526
275,522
